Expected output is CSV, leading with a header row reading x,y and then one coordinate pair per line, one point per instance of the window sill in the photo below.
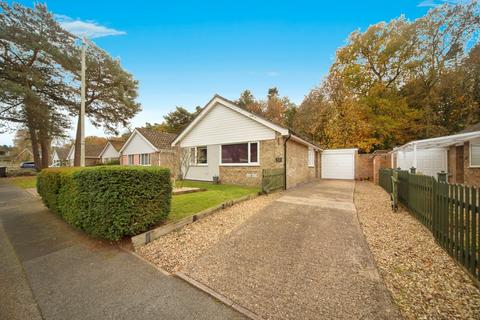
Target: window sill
x,y
239,164
474,167
199,165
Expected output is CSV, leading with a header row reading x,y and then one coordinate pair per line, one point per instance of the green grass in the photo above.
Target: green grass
x,y
185,205
25,182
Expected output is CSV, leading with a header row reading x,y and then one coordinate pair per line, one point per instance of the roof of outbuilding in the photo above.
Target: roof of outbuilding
x,y
93,150
160,140
473,128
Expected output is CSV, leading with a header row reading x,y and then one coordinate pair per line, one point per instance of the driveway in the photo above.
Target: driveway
x,y
50,271
303,257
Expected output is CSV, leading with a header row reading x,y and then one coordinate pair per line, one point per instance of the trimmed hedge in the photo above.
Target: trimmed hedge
x,y
108,202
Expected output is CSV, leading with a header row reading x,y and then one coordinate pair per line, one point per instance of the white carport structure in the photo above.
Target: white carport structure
x,y
429,156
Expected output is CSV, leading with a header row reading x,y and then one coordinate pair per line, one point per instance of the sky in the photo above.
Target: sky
x,y
184,52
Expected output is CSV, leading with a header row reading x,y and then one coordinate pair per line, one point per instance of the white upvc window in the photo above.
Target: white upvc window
x,y
145,159
198,156
474,154
311,157
130,159
243,154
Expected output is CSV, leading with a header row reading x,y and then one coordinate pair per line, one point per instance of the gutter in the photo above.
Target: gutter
x,y
285,160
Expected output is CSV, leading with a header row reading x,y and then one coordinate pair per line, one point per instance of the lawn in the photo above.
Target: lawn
x,y
25,182
187,204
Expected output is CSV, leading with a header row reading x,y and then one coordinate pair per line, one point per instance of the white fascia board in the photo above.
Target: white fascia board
x,y
349,150
303,141
440,142
131,137
233,107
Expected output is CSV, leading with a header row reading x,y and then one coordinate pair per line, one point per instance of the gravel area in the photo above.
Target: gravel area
x,y
422,278
176,250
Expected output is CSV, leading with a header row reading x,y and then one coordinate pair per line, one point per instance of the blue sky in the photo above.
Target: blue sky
x,y
183,52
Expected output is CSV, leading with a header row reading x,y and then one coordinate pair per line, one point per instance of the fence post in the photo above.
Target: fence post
x,y
413,170
442,176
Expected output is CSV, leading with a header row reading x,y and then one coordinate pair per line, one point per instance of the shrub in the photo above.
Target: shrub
x,y
19,172
108,202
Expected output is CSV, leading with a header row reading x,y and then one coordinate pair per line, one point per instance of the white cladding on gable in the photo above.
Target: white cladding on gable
x,y
137,145
110,152
222,125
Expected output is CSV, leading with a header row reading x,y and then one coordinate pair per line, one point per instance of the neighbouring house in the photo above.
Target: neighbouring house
x,y
235,145
92,154
150,147
111,151
458,155
60,156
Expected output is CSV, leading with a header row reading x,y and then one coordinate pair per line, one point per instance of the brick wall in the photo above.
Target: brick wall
x,y
252,175
382,160
298,170
471,175
364,167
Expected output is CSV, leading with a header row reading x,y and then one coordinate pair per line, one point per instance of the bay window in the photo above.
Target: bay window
x,y
240,153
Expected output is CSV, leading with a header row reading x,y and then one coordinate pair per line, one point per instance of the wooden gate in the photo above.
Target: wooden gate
x,y
273,179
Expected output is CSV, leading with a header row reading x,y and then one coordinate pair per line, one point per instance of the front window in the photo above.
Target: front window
x,y
145,159
240,153
198,155
130,159
475,154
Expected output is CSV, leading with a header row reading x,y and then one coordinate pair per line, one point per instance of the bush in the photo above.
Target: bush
x,y
20,172
108,202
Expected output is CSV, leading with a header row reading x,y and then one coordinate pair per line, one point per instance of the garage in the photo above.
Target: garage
x,y
338,164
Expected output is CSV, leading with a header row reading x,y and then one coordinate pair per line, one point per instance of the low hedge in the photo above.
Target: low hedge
x,y
108,202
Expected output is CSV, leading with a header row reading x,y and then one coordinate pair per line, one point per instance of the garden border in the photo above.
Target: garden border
x,y
147,237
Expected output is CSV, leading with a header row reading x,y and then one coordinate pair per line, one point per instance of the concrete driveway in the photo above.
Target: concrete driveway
x,y
48,270
302,257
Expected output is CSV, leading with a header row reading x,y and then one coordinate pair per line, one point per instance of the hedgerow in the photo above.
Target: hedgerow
x,y
108,202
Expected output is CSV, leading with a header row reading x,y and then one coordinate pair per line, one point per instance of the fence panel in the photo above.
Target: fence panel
x,y
273,179
451,212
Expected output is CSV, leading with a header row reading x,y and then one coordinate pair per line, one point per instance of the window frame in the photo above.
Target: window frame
x,y
131,163
477,144
311,156
141,157
247,164
194,160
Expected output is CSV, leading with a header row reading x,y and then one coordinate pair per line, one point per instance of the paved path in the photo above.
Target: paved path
x,y
50,271
303,257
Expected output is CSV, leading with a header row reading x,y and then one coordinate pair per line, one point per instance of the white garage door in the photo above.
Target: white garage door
x,y
338,164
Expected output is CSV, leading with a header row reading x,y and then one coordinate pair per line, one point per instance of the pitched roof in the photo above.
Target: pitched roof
x,y
117,143
231,104
62,152
93,150
160,140
473,128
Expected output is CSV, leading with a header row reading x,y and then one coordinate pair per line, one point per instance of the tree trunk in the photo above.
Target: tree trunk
x,y
45,148
76,159
34,140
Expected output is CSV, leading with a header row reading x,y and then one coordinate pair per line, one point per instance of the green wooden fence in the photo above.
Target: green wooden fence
x,y
450,211
273,179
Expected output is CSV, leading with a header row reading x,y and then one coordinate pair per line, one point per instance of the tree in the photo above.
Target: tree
x,y
111,94
95,140
175,121
35,55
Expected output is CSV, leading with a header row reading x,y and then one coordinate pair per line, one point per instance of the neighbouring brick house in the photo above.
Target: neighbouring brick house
x,y
235,145
92,154
458,155
150,147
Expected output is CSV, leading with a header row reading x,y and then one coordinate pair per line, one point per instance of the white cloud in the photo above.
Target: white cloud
x,y
88,29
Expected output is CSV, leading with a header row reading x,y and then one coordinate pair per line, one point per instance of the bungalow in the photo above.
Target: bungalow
x,y
234,145
59,156
150,147
92,154
111,151
458,155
